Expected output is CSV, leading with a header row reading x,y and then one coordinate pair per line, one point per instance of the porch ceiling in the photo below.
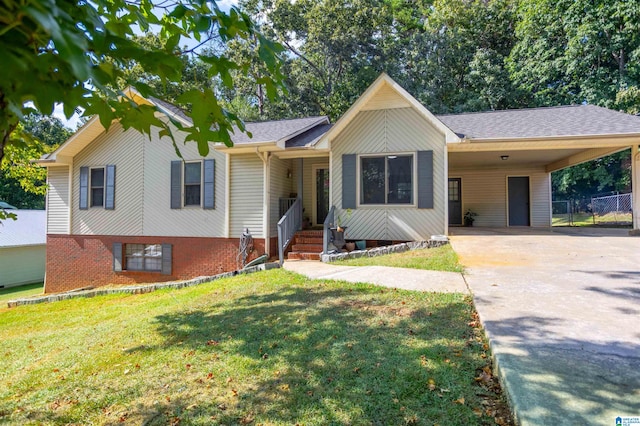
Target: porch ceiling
x,y
492,159
550,158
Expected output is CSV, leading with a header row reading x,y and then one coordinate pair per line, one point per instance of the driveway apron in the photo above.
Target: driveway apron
x,y
562,311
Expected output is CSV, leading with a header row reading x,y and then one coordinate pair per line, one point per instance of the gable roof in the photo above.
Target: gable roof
x,y
278,130
533,123
265,132
386,83
29,230
310,137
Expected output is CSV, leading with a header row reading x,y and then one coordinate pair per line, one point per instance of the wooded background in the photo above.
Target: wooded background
x,y
453,56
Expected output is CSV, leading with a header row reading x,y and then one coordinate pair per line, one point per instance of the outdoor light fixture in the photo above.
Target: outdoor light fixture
x,y
504,157
289,174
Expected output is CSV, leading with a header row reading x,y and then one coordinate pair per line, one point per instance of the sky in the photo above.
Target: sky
x,y
73,122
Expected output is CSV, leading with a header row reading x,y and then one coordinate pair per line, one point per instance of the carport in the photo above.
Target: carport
x,y
501,168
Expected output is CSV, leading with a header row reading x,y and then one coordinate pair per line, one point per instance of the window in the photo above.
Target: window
x,y
386,179
143,257
454,190
192,183
97,187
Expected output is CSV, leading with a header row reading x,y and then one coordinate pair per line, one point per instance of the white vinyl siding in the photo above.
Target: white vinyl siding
x,y
540,187
192,221
125,150
386,98
390,131
22,265
281,187
485,193
58,200
247,195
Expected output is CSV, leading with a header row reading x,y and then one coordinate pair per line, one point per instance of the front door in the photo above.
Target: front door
x,y
519,201
321,207
455,201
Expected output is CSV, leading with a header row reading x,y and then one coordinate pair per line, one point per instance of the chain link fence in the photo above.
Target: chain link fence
x,y
609,210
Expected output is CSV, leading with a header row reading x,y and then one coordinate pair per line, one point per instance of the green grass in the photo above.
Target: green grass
x,y
11,293
441,258
270,348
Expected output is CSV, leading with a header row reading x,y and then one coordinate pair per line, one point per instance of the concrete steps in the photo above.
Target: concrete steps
x,y
307,245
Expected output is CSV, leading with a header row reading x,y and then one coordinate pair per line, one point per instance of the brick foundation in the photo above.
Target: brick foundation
x,y
77,261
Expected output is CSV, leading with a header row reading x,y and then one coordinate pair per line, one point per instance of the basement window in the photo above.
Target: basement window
x,y
143,257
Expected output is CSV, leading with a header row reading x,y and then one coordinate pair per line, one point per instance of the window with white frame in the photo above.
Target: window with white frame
x,y
386,179
96,184
192,183
143,257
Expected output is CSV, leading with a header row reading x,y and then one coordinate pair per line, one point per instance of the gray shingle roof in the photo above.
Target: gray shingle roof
x,y
30,229
574,120
267,131
263,131
170,108
309,137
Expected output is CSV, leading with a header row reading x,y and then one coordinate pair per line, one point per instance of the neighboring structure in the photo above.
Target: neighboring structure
x,y
123,208
22,248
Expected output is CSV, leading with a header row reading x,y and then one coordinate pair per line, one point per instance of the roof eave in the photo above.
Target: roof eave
x,y
250,147
554,137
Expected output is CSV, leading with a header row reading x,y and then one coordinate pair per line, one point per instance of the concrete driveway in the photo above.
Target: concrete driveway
x,y
562,311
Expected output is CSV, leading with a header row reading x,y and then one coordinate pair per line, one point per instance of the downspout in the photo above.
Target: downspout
x,y
446,189
635,189
266,161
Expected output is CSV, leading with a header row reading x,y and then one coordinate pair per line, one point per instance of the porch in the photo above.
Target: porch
x,y
302,204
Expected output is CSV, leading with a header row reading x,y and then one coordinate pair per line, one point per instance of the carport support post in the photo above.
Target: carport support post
x,y
635,189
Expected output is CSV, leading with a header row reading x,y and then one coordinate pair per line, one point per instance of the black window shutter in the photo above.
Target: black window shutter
x,y
84,188
209,183
166,259
176,184
348,181
425,179
117,257
110,187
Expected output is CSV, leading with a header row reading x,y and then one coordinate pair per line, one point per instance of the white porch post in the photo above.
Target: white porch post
x,y
635,188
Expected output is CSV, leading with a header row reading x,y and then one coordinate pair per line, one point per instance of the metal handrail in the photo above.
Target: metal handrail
x,y
328,223
290,222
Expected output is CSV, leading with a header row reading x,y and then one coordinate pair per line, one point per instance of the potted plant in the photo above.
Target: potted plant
x,y
469,217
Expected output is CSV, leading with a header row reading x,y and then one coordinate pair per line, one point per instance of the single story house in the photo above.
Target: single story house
x,y
124,208
23,248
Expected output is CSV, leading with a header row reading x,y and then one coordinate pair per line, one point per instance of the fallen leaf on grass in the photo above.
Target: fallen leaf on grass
x,y
459,401
246,420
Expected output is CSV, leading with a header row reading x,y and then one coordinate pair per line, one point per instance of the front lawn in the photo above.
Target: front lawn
x,y
20,292
441,258
271,348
